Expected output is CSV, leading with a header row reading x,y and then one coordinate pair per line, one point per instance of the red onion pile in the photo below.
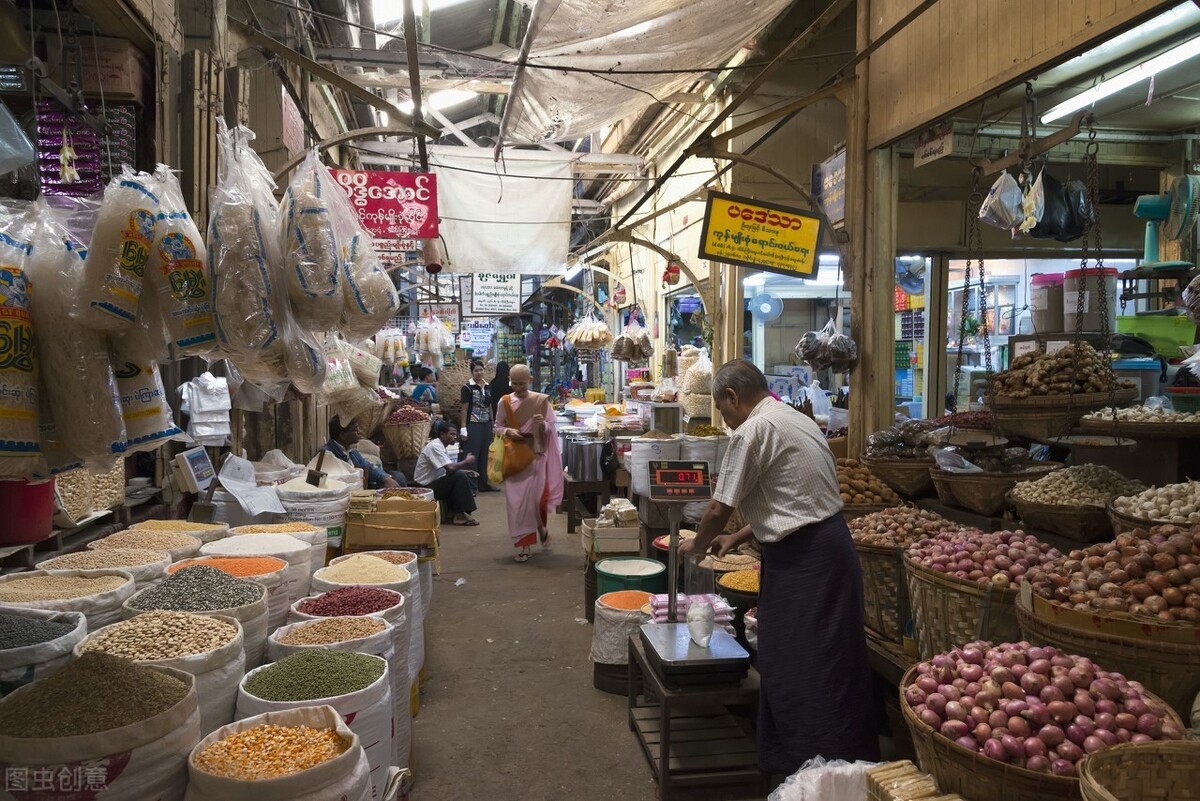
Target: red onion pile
x,y
1033,707
899,526
1001,557
405,415
1153,573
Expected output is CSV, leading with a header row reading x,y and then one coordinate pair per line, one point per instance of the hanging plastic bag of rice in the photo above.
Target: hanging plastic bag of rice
x,y
148,420
178,271
370,297
20,449
56,458
73,359
304,359
311,255
118,252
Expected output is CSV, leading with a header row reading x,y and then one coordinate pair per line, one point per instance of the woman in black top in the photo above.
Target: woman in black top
x,y
475,422
499,385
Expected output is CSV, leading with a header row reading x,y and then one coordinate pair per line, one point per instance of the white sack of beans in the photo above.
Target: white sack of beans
x,y
19,436
252,617
311,253
20,666
100,608
144,574
217,672
119,251
282,546
346,777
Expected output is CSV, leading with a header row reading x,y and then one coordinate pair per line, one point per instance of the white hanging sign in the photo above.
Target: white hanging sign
x,y
496,293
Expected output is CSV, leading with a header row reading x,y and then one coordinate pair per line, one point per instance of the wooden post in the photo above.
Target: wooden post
x,y
937,280
861,325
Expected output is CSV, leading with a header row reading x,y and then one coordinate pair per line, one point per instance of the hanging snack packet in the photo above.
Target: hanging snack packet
x,y
119,250
311,256
19,437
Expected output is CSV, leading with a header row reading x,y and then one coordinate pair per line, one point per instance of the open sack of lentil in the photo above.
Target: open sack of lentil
x,y
306,754
208,648
268,571
355,685
146,566
98,594
204,590
256,540
101,727
34,643
178,546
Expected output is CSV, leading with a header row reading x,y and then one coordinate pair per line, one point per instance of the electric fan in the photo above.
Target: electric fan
x,y
1175,212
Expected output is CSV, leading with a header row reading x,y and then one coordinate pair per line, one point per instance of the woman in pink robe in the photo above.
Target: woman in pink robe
x,y
533,492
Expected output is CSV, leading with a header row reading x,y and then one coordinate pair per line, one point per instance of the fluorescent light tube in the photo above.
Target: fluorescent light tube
x,y
1141,72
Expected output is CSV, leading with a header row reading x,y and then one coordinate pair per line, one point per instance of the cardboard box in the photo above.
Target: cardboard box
x,y
396,522
122,67
606,540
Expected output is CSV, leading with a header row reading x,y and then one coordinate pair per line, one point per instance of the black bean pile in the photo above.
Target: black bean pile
x,y
19,632
309,675
96,692
199,589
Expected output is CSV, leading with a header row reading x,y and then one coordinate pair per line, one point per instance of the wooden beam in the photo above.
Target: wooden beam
x,y
414,70
501,15
837,90
854,270
341,139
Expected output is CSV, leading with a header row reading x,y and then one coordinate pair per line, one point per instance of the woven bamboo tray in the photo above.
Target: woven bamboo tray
x,y
1169,670
1082,523
407,439
853,511
949,611
1135,430
885,598
1043,417
1168,769
907,477
1123,523
969,773
982,493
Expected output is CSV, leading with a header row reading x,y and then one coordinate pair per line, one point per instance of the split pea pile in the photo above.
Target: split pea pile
x,y
310,675
17,631
268,752
56,588
198,589
141,538
333,630
94,693
104,558
161,635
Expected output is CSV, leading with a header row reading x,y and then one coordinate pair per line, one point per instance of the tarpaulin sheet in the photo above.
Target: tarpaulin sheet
x,y
504,216
550,105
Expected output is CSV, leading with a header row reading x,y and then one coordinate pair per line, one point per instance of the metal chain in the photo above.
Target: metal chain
x,y
1093,182
974,201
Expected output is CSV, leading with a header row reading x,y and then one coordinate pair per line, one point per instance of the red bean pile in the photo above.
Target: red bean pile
x,y
405,415
350,601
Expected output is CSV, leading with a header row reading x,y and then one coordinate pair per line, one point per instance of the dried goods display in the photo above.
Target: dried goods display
x,y
333,630
907,440
899,526
590,333
406,415
1079,485
633,344
836,433
1174,503
1144,414
312,264
1034,707
1006,460
270,752
369,296
1154,573
828,348
161,635
858,485
999,557
975,420
741,580
1076,368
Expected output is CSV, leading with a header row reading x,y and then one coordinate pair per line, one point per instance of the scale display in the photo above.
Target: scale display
x,y
680,481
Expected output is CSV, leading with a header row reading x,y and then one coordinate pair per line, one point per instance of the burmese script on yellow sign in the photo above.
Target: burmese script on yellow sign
x,y
751,233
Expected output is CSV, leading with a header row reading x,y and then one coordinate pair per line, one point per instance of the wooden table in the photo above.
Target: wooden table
x,y
690,736
572,490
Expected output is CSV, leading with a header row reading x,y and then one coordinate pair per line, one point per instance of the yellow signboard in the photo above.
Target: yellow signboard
x,y
765,236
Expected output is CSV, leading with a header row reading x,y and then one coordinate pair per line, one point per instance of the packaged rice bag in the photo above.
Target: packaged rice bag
x,y
19,437
311,254
369,296
149,423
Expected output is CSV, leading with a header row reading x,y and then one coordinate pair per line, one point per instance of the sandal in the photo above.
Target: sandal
x,y
470,521
522,557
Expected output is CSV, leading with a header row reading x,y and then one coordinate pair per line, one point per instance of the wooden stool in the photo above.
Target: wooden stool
x,y
571,492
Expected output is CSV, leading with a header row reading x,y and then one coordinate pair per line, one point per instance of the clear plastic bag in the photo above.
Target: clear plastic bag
x,y
828,348
15,148
820,401
311,253
118,252
698,380
433,340
1033,204
821,780
1002,206
369,296
19,437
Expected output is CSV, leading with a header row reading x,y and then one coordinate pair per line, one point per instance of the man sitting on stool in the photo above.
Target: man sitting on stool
x,y
447,479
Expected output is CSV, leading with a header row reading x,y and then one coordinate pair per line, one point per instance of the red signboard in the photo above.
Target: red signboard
x,y
393,205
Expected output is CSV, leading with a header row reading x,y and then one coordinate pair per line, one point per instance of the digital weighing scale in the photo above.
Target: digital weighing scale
x,y
669,646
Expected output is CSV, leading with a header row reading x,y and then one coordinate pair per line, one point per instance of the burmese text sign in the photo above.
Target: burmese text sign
x,y
392,205
765,236
496,293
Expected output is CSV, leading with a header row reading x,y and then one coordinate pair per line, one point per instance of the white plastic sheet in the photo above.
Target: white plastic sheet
x,y
550,105
494,221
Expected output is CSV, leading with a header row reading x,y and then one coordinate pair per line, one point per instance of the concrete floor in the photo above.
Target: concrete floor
x,y
509,711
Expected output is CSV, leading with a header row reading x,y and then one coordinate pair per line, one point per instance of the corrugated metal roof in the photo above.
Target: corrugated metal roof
x,y
464,26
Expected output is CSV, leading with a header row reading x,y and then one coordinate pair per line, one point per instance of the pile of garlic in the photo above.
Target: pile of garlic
x,y
1174,503
1081,485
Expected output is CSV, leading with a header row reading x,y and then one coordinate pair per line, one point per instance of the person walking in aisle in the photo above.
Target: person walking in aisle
x,y
475,422
812,657
448,479
526,418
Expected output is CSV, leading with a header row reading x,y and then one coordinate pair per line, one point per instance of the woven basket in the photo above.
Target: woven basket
x,y
907,477
885,598
1082,523
1044,417
949,611
1168,769
969,773
370,420
1169,670
982,493
1123,523
407,439
853,511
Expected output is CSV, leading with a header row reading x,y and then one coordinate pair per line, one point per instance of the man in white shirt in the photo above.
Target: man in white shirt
x,y
779,472
437,471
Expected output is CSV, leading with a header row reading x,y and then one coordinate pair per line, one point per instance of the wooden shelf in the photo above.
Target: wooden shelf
x,y
1148,274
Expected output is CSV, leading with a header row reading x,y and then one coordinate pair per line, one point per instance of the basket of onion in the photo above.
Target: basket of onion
x,y
962,585
880,538
1132,603
1164,769
1011,722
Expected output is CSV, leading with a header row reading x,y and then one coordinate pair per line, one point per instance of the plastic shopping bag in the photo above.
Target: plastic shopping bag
x,y
1002,206
495,464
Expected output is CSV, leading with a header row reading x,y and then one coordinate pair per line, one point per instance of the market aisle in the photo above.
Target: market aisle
x,y
509,711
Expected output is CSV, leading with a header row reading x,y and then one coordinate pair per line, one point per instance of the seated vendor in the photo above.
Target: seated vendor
x,y
448,479
426,390
342,441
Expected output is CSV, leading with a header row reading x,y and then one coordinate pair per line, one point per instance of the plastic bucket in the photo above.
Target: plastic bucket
x,y
630,573
1073,283
30,510
1144,373
1046,301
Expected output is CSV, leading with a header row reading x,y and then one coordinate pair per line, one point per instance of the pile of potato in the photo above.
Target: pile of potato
x,y
899,526
859,486
1041,373
1144,414
1081,485
1174,503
